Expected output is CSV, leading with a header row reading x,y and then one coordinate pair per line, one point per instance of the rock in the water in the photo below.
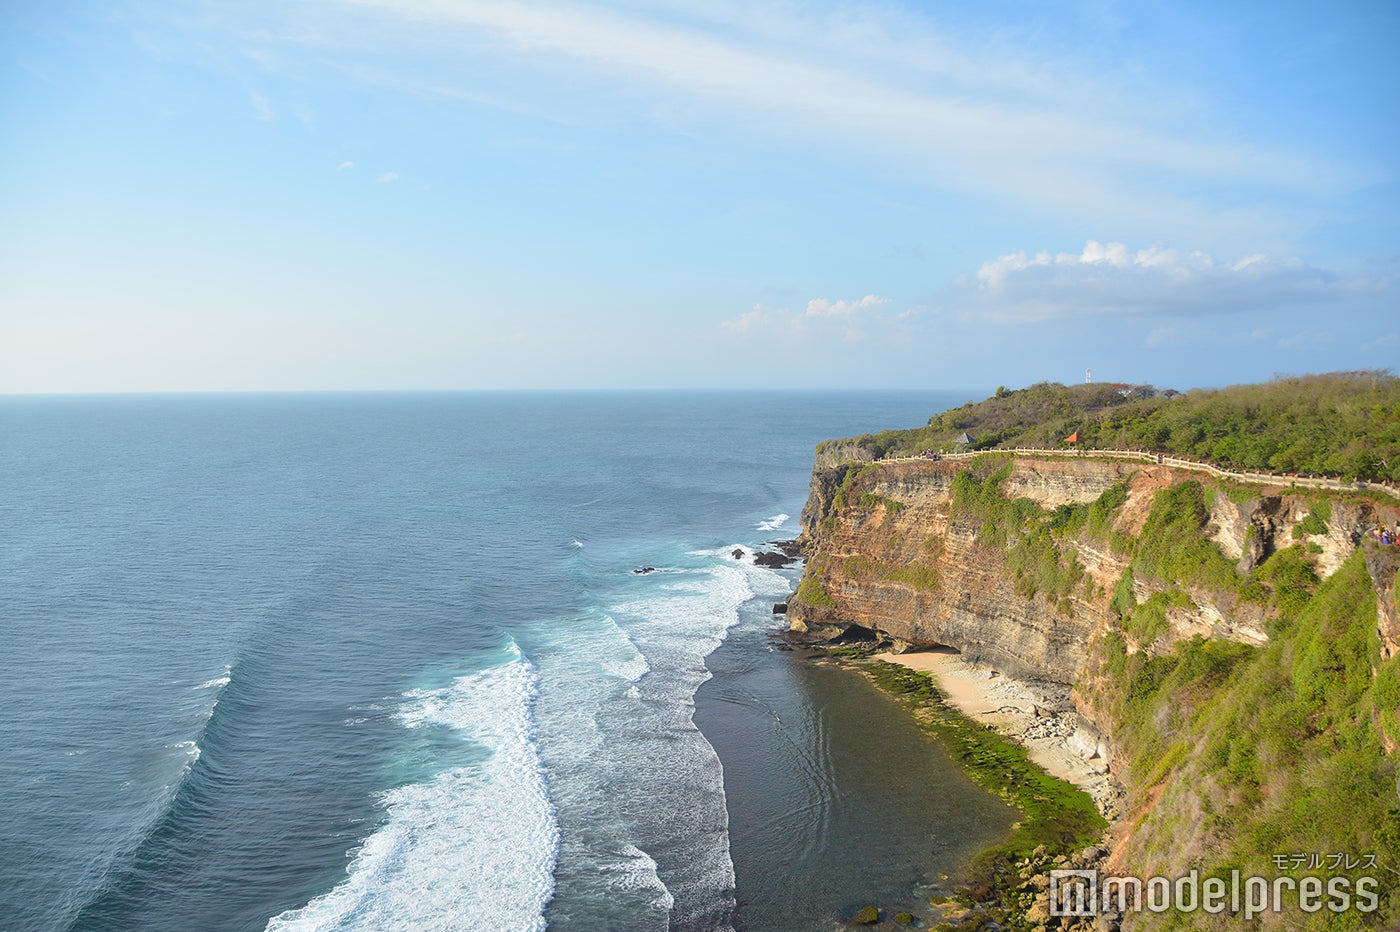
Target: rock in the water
x,y
642,571
867,916
779,608
789,547
738,553
771,559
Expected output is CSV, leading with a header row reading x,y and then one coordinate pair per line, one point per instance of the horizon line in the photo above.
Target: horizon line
x,y
149,393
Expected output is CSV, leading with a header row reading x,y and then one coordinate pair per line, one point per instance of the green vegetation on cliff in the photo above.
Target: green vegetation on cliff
x,y
1235,750
1236,753
1038,546
1340,424
1173,547
1251,752
812,592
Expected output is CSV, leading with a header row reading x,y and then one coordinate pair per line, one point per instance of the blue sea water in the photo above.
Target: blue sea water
x,y
315,662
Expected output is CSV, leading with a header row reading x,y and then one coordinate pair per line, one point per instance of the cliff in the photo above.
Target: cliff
x,y
897,518
890,551
1226,642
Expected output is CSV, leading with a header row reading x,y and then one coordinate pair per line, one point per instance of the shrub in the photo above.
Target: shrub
x,y
1312,524
811,591
1291,756
1172,546
1290,579
916,575
1149,620
1344,423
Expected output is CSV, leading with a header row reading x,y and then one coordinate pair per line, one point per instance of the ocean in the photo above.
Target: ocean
x,y
382,661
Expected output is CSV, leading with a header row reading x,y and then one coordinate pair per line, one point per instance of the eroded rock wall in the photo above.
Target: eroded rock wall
x,y
886,553
968,599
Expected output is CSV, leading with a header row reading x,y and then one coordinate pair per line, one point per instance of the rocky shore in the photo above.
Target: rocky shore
x,y
1037,713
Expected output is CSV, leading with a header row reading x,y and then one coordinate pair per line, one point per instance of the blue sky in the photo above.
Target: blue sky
x,y
442,194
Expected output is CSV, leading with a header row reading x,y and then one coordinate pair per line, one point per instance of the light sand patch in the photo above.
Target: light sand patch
x,y
1037,715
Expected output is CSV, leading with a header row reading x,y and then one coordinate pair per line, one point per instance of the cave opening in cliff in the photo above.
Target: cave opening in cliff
x,y
856,634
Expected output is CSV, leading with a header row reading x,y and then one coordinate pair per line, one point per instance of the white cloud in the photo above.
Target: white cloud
x,y
746,322
345,166
995,274
851,320
1111,279
822,307
387,178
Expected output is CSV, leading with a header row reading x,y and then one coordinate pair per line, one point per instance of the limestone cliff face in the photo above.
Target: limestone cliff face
x,y
1090,573
887,552
966,599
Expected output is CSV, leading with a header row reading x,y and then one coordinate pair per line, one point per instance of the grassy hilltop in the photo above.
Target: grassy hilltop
x,y
1343,424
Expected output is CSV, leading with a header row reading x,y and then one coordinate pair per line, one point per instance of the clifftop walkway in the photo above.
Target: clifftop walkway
x,y
1163,459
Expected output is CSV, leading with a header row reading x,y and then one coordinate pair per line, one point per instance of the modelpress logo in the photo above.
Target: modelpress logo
x,y
1081,893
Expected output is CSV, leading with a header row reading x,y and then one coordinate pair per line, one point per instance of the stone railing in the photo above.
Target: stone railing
x,y
1260,478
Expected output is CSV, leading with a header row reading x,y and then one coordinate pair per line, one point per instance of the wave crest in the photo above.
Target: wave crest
x,y
473,848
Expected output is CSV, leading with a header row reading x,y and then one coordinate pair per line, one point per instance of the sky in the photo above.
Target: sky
x,y
485,194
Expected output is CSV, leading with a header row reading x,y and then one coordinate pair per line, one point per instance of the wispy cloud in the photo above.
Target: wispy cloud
x,y
260,106
848,319
345,166
387,178
1111,279
746,322
874,82
823,307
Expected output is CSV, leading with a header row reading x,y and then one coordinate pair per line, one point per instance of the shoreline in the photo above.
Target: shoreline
x,y
1036,714
820,765
1020,740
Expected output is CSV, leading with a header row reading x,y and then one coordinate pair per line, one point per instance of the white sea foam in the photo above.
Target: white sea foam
x,y
576,544
677,625
472,849
626,661
634,872
773,523
761,580
218,682
188,752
